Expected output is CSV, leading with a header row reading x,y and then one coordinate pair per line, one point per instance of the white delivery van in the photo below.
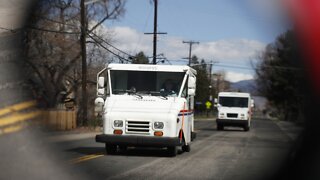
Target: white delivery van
x,y
146,105
234,109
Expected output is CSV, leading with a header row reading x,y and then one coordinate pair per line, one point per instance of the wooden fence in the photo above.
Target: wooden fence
x,y
60,119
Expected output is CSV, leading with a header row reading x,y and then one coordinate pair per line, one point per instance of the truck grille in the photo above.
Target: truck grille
x,y
138,127
232,115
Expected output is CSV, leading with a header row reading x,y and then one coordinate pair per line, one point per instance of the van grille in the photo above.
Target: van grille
x,y
138,127
232,115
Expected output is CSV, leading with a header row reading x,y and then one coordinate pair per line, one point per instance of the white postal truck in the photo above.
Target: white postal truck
x,y
234,109
146,105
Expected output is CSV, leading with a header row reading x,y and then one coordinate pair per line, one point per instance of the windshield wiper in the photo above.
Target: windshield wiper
x,y
159,94
134,92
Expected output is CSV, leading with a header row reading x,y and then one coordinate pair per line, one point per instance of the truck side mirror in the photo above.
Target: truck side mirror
x,y
252,103
100,82
192,82
100,87
215,101
191,92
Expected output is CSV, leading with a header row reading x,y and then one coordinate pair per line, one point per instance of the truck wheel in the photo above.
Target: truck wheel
x,y
186,148
246,127
172,150
111,149
219,127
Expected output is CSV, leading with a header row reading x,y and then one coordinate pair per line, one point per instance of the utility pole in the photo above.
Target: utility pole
x,y
155,32
190,49
84,60
210,79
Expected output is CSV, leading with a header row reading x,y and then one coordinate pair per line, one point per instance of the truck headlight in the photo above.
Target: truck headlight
x,y
221,115
117,123
158,125
242,115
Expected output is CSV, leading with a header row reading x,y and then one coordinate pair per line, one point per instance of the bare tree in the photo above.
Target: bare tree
x,y
53,48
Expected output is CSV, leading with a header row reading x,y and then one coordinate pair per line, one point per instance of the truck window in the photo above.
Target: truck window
x,y
233,101
144,82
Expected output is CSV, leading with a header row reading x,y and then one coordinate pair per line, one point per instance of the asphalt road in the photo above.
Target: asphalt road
x,y
228,154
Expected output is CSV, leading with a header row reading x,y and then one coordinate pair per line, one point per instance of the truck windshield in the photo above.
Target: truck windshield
x,y
146,82
233,101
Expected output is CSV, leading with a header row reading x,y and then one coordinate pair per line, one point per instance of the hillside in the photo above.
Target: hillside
x,y
249,86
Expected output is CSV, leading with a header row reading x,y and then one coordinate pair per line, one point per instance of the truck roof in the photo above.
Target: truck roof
x,y
234,94
151,67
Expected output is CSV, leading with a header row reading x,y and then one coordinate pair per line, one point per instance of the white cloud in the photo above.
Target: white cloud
x,y
234,49
242,50
227,51
235,76
132,41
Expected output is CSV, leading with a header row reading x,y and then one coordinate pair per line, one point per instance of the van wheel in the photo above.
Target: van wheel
x,y
186,148
220,127
172,150
111,149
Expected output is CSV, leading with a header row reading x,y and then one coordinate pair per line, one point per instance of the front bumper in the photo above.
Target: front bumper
x,y
150,141
232,122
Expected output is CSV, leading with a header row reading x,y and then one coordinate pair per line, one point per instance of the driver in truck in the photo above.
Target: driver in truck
x,y
168,88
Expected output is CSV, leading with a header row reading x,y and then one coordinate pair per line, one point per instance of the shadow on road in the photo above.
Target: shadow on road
x,y
148,152
87,150
130,151
225,129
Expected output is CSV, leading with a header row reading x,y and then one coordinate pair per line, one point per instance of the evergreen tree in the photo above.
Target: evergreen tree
x,y
279,77
140,58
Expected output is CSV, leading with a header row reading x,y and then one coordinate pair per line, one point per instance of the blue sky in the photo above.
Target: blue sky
x,y
229,31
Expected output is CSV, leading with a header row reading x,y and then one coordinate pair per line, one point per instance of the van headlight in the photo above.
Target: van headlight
x,y
221,115
117,123
158,125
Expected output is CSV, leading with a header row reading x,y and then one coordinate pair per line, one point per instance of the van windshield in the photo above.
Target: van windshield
x,y
233,101
146,82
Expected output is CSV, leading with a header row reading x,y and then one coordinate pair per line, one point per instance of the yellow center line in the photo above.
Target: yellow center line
x,y
86,158
16,118
17,107
11,129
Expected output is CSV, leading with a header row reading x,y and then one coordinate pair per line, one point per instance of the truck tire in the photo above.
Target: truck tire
x,y
186,148
220,127
172,151
111,149
246,127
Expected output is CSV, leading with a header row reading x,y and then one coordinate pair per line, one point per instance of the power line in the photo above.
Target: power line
x,y
253,68
100,38
58,22
52,31
104,47
112,45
